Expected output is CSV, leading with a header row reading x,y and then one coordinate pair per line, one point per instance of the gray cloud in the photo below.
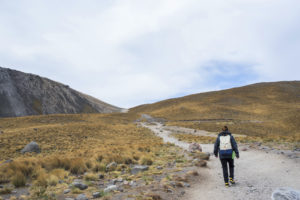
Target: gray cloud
x,y
130,52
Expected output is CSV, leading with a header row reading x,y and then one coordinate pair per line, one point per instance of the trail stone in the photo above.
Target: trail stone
x,y
96,195
69,198
111,188
195,147
81,197
139,168
31,147
286,194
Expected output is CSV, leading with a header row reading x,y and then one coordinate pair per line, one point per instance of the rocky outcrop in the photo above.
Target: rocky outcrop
x,y
24,94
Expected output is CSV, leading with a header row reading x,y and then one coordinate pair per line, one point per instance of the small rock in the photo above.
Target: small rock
x,y
111,166
101,176
120,180
244,149
96,195
60,181
133,183
126,183
169,191
139,168
195,147
111,188
182,193
67,191
159,167
80,185
31,147
113,181
286,194
1,186
186,185
69,198
81,197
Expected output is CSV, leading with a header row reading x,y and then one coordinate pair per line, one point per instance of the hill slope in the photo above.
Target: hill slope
x,y
24,94
260,109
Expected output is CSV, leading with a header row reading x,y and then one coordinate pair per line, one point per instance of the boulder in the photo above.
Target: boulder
x,y
80,185
286,194
139,168
195,147
81,197
31,147
111,188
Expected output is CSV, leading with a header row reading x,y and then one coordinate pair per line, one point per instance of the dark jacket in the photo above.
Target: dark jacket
x,y
233,144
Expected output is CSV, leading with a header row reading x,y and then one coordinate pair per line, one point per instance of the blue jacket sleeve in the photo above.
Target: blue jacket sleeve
x,y
234,146
216,148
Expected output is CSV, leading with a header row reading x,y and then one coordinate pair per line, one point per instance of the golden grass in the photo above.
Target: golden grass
x,y
270,111
75,144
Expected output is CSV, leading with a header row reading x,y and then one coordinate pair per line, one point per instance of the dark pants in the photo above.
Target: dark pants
x,y
224,162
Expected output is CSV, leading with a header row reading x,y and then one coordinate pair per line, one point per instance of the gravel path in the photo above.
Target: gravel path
x,y
258,173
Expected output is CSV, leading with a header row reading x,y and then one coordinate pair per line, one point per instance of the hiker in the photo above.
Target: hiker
x,y
227,149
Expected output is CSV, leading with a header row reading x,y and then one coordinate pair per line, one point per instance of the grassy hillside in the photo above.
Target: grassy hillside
x,y
72,145
267,110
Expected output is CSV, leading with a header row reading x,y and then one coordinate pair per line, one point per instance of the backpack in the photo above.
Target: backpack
x,y
225,146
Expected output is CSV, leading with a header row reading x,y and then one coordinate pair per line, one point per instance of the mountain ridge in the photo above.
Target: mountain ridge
x,y
23,94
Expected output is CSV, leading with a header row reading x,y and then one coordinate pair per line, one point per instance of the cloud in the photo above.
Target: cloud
x,y
130,52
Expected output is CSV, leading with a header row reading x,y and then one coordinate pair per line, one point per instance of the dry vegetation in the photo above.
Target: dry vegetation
x,y
73,145
270,111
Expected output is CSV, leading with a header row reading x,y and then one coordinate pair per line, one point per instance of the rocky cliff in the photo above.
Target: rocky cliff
x,y
24,94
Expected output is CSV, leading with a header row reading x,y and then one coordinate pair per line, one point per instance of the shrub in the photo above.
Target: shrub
x,y
77,166
146,160
91,177
52,180
18,180
60,173
99,167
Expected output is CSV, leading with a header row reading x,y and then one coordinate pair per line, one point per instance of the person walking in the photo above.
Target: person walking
x,y
226,148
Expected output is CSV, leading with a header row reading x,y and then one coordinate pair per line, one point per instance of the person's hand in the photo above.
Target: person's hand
x,y
216,156
238,157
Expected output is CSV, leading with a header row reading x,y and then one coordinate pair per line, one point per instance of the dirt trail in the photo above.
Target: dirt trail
x,y
258,173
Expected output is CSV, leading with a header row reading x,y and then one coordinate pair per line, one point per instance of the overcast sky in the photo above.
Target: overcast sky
x,y
131,52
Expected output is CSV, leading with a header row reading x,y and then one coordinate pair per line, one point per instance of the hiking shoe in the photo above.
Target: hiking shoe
x,y
226,184
231,181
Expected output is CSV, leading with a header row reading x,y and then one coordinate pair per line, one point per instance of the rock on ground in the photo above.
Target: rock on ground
x,y
31,147
111,188
96,195
286,194
80,185
81,197
195,147
139,168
